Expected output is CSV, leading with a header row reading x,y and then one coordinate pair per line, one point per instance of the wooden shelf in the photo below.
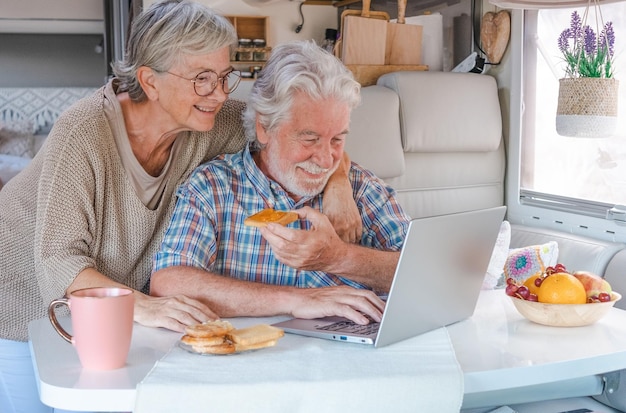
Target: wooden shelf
x,y
345,3
251,27
318,3
367,75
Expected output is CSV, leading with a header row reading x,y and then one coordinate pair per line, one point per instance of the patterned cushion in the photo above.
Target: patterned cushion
x,y
16,138
42,105
523,263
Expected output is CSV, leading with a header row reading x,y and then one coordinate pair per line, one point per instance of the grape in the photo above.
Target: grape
x,y
523,292
560,268
511,289
538,281
532,297
604,297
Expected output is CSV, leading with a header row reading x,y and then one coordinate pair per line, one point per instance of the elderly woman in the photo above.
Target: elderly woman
x,y
92,207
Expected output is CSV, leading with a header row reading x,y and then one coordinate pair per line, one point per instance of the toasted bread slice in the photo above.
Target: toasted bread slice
x,y
203,341
262,218
225,348
256,346
259,333
209,329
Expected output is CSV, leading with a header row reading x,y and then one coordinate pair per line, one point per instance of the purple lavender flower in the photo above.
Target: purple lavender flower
x,y
575,26
587,55
590,40
607,37
563,42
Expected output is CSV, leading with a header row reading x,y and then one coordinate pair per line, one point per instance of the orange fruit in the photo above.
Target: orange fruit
x,y
561,288
530,284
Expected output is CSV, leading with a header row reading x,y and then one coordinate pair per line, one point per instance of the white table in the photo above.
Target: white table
x,y
504,358
507,359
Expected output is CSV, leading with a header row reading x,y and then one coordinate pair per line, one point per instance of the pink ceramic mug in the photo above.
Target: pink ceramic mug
x,y
102,325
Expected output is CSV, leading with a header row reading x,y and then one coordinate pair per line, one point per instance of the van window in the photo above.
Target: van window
x,y
583,176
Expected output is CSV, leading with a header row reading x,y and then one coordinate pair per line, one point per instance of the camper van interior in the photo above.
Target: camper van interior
x,y
462,132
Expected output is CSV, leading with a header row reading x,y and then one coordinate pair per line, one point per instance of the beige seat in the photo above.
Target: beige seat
x,y
435,137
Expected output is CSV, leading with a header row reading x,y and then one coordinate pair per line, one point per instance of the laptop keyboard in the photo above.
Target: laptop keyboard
x,y
348,326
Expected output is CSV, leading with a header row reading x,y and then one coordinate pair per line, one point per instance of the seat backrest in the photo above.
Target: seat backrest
x,y
448,129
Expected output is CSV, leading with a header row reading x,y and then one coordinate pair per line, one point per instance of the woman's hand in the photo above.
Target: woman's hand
x,y
174,313
339,205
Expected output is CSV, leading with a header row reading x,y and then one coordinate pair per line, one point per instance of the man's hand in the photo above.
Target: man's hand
x,y
318,249
321,249
342,301
339,205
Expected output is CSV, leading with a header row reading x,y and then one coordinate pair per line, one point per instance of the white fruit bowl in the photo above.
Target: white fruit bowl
x,y
564,315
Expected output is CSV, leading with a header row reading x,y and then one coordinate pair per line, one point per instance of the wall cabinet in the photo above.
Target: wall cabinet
x,y
52,16
249,56
251,27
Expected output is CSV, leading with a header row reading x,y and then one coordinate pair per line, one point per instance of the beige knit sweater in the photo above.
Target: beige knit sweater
x,y
73,208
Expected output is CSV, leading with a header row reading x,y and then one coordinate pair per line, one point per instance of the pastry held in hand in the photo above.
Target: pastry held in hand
x,y
262,218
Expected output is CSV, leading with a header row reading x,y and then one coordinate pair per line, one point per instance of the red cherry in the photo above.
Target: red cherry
x,y
523,292
604,297
511,289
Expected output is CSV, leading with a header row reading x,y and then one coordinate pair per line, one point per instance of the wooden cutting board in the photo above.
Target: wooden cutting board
x,y
363,36
404,41
364,41
495,31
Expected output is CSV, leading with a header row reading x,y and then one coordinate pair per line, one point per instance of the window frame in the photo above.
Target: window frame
x,y
593,219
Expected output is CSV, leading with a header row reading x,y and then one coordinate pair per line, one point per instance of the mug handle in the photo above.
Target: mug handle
x,y
53,318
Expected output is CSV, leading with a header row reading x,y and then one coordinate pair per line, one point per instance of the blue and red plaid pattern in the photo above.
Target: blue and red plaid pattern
x,y
207,229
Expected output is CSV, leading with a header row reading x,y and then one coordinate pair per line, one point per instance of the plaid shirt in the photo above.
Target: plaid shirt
x,y
207,229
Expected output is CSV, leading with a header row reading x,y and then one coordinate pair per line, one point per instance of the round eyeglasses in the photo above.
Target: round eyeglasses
x,y
206,82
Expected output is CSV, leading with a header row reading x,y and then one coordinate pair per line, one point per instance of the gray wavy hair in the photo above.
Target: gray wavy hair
x,y
164,32
298,66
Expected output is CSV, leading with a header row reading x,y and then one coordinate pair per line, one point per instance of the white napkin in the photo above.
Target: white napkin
x,y
302,374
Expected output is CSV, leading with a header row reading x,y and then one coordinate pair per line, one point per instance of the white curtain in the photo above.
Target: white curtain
x,y
546,4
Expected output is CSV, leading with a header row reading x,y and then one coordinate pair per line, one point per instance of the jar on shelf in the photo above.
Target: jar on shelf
x,y
244,55
261,55
329,40
255,70
258,43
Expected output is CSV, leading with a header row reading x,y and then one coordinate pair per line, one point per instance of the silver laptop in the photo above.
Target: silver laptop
x,y
437,281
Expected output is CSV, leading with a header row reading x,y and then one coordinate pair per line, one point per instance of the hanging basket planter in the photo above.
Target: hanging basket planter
x,y
587,107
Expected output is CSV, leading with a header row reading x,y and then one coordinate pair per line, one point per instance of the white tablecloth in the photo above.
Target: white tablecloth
x,y
302,374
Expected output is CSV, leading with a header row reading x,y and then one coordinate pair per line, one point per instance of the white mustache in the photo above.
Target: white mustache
x,y
312,168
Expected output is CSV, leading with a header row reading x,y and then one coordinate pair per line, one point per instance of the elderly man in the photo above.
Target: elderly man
x,y
297,120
